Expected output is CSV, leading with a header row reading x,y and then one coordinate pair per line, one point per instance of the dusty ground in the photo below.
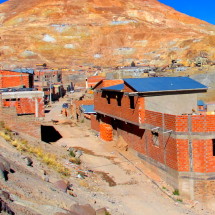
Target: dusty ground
x,y
120,181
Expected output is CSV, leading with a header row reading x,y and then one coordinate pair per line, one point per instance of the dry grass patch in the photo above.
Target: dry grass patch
x,y
47,158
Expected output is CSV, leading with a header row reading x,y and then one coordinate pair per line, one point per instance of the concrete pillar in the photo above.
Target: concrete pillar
x,y
1,105
86,84
36,108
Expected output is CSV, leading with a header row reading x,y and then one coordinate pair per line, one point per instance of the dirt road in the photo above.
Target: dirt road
x,y
122,187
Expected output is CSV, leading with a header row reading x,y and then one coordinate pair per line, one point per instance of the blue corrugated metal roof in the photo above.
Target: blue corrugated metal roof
x,y
88,108
160,84
200,103
117,87
24,70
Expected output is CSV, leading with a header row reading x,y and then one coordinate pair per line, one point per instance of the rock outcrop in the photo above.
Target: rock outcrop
x,y
99,32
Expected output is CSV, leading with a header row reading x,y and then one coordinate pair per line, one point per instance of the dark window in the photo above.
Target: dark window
x,y
155,138
98,117
108,99
119,100
131,102
107,96
213,146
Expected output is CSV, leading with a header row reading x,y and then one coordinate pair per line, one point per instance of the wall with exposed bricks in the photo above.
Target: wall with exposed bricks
x,y
172,151
184,152
9,79
124,111
95,123
25,124
26,106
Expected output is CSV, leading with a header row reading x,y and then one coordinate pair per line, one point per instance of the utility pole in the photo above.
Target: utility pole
x,y
50,89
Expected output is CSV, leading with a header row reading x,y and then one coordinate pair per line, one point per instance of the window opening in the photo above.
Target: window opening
x,y
213,146
131,102
119,100
155,138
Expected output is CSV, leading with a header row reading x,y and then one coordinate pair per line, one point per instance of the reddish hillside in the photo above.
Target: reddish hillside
x,y
99,32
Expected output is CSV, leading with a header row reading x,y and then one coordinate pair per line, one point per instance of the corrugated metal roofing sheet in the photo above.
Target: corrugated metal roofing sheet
x,y
200,103
88,108
117,87
160,84
24,70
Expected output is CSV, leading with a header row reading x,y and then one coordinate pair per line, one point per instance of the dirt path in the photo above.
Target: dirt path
x,y
123,188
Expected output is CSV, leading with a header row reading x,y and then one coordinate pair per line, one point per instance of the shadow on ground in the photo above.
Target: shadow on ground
x,y
49,134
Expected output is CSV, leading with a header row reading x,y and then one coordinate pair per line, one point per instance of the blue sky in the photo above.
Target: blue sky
x,y
202,9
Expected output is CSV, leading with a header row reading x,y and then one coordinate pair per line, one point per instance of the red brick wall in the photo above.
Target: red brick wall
x,y
203,123
13,79
183,155
24,124
171,152
204,161
26,106
153,118
124,111
95,123
132,134
181,123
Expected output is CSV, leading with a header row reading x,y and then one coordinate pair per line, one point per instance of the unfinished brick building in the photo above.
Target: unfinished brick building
x,y
157,118
26,102
47,75
22,110
17,78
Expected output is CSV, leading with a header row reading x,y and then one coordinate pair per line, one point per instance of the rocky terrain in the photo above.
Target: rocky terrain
x,y
99,32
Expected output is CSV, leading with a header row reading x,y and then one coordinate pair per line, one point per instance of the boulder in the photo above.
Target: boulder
x,y
28,161
62,185
78,153
82,209
4,168
102,211
4,163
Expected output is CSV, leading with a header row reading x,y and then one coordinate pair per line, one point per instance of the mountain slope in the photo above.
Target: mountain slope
x,y
99,32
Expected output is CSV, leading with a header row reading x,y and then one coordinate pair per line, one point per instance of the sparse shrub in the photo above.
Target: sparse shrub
x,y
107,213
7,130
47,158
6,136
82,121
2,124
176,192
75,160
72,154
179,200
14,143
22,148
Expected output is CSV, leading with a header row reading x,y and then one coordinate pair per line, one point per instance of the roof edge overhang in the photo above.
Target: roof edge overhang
x,y
112,90
171,91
